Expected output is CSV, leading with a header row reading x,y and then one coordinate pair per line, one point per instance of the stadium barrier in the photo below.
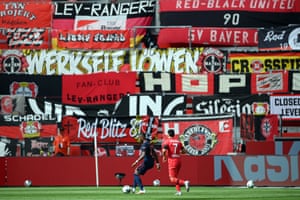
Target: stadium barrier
x,y
266,170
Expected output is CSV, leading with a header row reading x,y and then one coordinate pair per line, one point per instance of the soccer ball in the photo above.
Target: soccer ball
x,y
27,183
156,182
250,184
126,189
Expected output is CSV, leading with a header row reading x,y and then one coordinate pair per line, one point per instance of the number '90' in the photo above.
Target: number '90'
x,y
231,19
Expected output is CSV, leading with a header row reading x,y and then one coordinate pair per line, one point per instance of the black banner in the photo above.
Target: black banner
x,y
223,104
232,84
294,82
35,147
151,105
157,82
31,85
8,147
216,19
54,109
280,38
131,9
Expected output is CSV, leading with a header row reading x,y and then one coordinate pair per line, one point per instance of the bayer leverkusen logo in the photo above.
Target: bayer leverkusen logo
x,y
211,60
260,108
198,140
27,89
13,61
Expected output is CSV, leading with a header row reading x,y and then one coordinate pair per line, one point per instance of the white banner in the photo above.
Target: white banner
x,y
287,106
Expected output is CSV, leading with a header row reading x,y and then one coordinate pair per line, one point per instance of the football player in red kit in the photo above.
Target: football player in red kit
x,y
172,149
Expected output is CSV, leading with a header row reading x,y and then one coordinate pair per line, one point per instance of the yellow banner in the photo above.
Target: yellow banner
x,y
263,62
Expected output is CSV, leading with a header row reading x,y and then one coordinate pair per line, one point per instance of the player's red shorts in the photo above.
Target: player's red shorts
x,y
174,165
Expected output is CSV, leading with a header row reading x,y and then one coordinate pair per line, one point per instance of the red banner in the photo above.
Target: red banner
x,y
25,38
229,13
202,135
247,128
205,5
26,14
207,36
269,82
110,16
100,88
195,83
110,129
92,39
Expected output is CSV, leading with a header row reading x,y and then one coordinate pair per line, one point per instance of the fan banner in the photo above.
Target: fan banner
x,y
27,126
294,82
229,13
109,129
104,16
269,82
183,37
92,39
266,127
232,83
12,104
25,38
156,82
259,128
202,84
80,61
38,146
81,129
31,85
286,106
234,103
247,126
99,88
24,14
8,147
13,60
153,104
226,5
202,135
52,107
263,62
285,38
44,114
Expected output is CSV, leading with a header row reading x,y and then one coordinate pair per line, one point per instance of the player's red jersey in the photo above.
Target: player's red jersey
x,y
172,149
173,146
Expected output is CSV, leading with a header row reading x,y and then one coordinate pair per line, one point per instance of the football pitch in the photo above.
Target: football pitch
x,y
152,193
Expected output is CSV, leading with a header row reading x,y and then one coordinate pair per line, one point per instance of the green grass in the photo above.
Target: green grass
x,y
153,193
